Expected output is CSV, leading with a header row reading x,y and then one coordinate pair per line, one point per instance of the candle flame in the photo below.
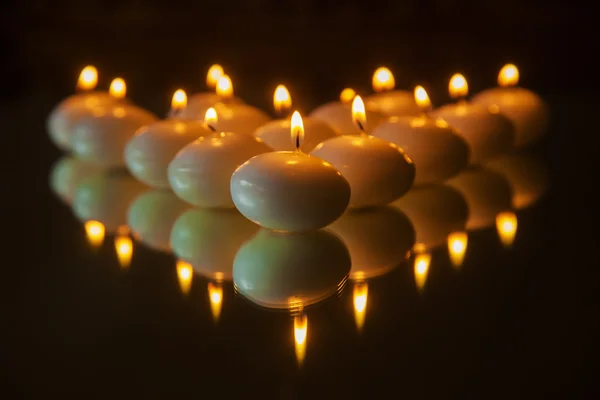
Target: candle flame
x,y
297,129
215,295
506,226
95,231
210,117
422,98
383,79
458,86
508,76
124,249
214,73
300,334
457,247
422,262
225,87
360,296
282,101
359,116
88,78
118,88
179,100
184,275
347,95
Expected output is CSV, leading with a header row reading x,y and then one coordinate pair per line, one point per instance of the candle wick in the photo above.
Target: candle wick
x,y
360,126
297,142
212,128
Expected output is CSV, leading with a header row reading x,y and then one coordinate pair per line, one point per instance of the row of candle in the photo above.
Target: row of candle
x,y
216,151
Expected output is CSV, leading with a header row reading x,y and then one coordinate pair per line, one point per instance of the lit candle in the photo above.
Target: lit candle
x,y
276,133
124,246
436,149
95,232
66,174
378,171
185,275
386,100
290,190
200,102
457,247
152,215
201,172
154,146
523,107
506,226
486,130
338,114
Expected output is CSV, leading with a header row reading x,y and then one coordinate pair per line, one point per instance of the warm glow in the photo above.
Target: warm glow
x,y
88,78
213,75
282,101
225,87
422,98
508,76
124,248
422,262
457,247
506,225
347,95
215,295
359,117
118,88
210,117
94,231
297,129
184,275
383,79
300,333
458,86
179,100
360,296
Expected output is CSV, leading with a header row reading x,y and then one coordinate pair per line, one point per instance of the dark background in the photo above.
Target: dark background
x,y
518,324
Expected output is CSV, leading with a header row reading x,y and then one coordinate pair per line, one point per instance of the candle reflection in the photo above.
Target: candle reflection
x,y
215,296
95,232
457,247
300,335
124,246
421,269
360,296
184,275
506,226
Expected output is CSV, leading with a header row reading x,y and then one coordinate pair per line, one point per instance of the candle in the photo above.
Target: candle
x,y
388,101
152,215
378,171
523,107
276,133
290,190
150,151
437,150
283,271
68,112
338,115
66,174
200,102
200,173
486,130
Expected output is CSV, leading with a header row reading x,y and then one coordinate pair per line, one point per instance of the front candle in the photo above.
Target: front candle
x,y
386,100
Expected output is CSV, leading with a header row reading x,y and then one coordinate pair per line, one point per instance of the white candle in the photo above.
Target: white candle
x,y
200,173
154,146
209,239
290,271
68,112
152,215
437,150
378,171
488,132
388,101
338,114
276,134
67,173
290,190
523,107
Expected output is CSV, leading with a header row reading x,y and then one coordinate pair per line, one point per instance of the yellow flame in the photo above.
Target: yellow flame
x,y
458,86
184,275
508,76
282,101
214,73
297,129
300,334
457,247
215,295
124,248
360,296
506,225
383,79
88,78
347,95
359,117
225,87
422,262
118,88
210,117
179,100
95,231
422,98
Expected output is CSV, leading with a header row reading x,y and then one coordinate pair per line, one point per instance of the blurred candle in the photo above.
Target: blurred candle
x,y
457,247
506,226
94,231
388,101
199,102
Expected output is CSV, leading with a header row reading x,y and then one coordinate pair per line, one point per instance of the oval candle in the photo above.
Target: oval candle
x,y
523,107
198,103
388,101
290,190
